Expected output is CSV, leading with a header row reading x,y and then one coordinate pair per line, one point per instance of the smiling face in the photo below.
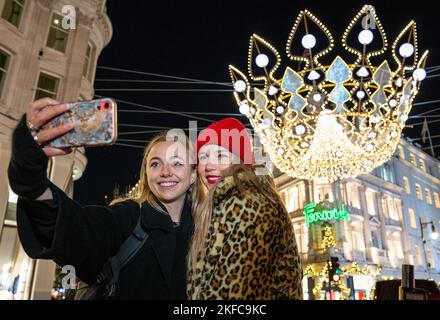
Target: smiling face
x,y
169,172
213,159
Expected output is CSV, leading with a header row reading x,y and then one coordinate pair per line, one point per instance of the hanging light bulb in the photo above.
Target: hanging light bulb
x,y
244,108
406,50
280,110
240,86
419,74
262,60
308,41
365,37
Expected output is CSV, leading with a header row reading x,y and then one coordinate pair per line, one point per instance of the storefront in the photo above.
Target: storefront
x,y
16,268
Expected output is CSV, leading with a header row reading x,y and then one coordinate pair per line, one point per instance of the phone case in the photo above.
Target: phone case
x,y
95,124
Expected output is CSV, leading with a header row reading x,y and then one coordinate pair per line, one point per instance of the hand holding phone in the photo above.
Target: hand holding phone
x,y
57,127
94,124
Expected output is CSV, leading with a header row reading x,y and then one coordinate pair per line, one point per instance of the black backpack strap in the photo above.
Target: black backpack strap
x,y
109,274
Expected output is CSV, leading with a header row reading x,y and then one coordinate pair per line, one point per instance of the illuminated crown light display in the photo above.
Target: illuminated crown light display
x,y
331,121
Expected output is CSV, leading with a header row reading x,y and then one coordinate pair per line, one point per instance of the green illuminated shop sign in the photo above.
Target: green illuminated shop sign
x,y
314,215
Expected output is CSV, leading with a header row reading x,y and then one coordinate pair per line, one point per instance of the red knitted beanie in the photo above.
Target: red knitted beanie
x,y
231,134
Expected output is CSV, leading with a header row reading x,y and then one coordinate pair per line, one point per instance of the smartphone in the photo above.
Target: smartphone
x,y
95,124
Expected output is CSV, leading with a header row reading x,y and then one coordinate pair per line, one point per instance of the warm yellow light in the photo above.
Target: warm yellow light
x,y
339,120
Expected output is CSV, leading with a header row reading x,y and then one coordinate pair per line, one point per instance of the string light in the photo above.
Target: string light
x,y
329,240
321,276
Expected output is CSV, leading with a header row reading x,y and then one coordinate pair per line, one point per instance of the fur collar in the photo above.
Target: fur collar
x,y
227,186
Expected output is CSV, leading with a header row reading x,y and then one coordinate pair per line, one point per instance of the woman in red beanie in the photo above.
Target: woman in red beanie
x,y
243,246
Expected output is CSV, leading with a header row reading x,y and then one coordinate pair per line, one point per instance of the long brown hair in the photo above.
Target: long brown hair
x,y
142,192
202,204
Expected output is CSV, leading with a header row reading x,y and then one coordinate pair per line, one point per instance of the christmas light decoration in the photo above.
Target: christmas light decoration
x,y
321,276
329,239
331,121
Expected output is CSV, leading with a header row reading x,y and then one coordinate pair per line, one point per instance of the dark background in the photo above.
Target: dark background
x,y
198,40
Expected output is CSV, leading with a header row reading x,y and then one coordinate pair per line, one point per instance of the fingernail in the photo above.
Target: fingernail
x,y
66,106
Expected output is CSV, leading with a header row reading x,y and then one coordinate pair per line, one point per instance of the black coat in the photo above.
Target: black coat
x,y
86,236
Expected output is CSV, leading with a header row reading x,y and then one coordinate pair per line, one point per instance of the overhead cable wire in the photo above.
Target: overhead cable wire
x,y
433,67
129,145
133,140
434,147
158,109
163,81
429,116
138,132
162,90
432,137
142,126
160,75
426,112
421,103
420,123
188,112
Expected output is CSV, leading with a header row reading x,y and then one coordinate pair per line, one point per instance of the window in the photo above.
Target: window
x,y
392,212
301,195
430,258
47,87
374,238
325,192
401,153
58,36
383,203
418,256
422,165
87,69
406,185
370,203
353,196
412,218
4,62
419,192
428,196
291,198
385,172
12,11
357,240
395,243
302,237
343,193
436,200
438,256
413,159
283,198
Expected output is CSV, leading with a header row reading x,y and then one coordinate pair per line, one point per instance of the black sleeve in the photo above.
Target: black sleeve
x,y
43,219
27,171
81,236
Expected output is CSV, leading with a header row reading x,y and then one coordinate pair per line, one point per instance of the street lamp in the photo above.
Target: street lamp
x,y
434,235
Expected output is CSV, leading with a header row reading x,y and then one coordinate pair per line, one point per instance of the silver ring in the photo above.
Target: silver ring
x,y
31,126
36,139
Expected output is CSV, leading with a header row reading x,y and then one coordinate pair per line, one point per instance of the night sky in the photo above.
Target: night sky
x,y
198,40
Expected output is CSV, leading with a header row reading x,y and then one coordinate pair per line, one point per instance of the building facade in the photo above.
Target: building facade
x,y
47,49
389,210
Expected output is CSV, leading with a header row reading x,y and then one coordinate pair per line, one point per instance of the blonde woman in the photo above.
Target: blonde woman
x,y
243,246
52,226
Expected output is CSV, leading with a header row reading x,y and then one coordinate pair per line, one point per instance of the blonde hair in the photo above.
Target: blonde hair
x,y
202,205
143,192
